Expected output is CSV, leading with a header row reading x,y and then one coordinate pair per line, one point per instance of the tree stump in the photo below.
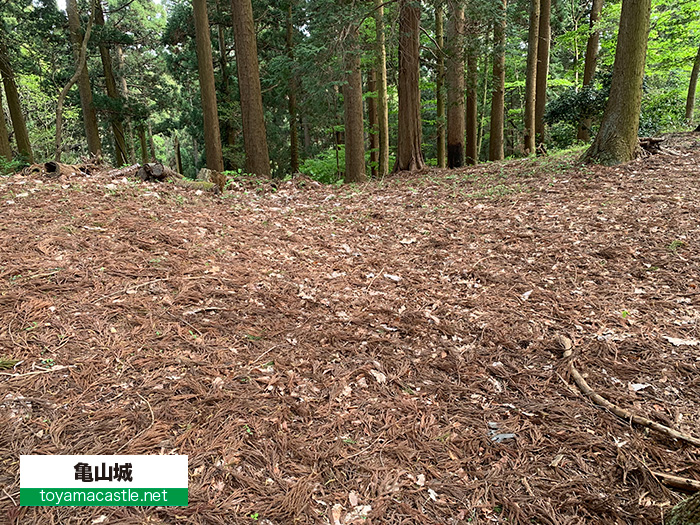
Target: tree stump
x,y
687,512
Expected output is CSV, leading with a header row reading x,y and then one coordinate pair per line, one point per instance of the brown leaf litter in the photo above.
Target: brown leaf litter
x,y
388,353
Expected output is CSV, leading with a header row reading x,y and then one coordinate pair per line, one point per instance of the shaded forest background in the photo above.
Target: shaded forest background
x,y
302,49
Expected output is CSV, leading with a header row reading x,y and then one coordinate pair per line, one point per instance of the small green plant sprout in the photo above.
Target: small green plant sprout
x,y
673,247
48,362
248,429
625,314
254,516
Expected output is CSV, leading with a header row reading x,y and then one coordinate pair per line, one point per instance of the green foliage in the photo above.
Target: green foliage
x,y
324,166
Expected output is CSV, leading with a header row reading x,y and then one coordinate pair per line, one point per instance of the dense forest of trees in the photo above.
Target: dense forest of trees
x,y
340,90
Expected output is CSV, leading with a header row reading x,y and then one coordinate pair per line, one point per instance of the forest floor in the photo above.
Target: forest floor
x,y
386,353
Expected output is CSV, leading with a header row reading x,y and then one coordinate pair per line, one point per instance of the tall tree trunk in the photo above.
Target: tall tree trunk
x,y
13,104
382,100
223,59
5,147
589,67
212,136
293,118
482,122
120,152
372,121
257,158
455,85
124,91
144,147
531,78
499,87
409,155
544,35
151,144
439,89
178,155
472,118
692,87
616,141
92,133
352,96
307,134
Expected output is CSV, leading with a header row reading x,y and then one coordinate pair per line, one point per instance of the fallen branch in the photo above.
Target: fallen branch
x,y
690,485
626,414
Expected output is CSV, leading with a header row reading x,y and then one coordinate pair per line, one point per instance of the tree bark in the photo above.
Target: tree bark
x,y
212,136
472,118
455,85
352,97
178,156
617,141
142,140
382,100
5,147
92,133
692,87
439,88
589,67
499,87
121,61
544,35
293,118
409,155
531,78
13,103
257,158
151,144
372,121
120,153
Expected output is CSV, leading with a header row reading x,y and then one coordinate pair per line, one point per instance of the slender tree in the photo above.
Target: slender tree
x,y
455,85
616,141
124,92
292,97
382,99
531,78
544,36
439,88
257,158
372,121
212,137
13,103
88,109
589,68
409,155
692,87
120,152
472,118
352,99
5,147
499,86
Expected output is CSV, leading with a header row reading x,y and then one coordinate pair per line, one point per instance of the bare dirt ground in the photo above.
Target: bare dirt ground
x,y
377,354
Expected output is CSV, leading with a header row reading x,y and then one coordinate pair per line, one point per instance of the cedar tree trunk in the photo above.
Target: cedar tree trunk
x,y
455,85
212,137
409,156
352,100
439,81
584,128
257,159
531,78
499,87
92,133
544,38
472,121
372,121
5,147
13,103
120,152
616,141
293,119
382,102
